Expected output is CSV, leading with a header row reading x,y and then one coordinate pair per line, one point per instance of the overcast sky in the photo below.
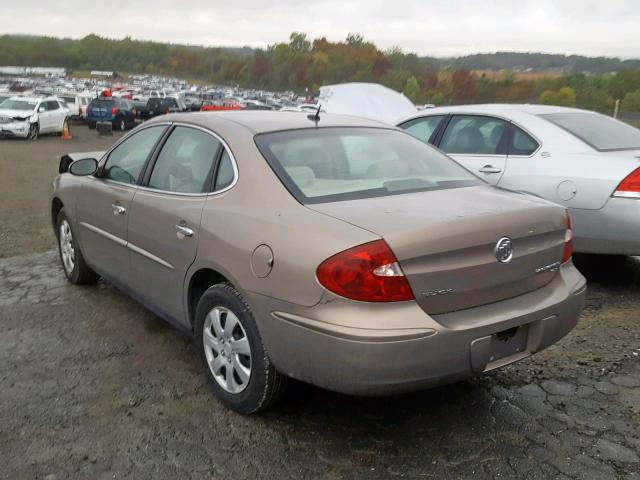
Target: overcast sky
x,y
427,27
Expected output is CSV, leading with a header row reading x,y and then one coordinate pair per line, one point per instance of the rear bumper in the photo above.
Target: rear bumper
x,y
308,344
92,119
614,229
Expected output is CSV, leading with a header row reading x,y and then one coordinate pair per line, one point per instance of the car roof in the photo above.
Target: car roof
x,y
498,109
261,121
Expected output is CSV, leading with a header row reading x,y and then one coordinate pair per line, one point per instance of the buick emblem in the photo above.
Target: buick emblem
x,y
504,250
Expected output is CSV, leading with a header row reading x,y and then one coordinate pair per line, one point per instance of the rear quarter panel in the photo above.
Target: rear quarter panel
x,y
259,210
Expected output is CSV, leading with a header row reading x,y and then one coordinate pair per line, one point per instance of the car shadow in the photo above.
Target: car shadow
x,y
609,270
378,419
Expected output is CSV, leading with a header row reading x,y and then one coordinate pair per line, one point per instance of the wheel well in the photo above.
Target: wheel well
x,y
56,206
200,282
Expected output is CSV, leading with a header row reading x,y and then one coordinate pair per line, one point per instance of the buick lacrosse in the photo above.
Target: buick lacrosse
x,y
334,250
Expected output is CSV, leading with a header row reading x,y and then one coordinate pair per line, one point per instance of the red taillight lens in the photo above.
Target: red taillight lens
x,y
369,273
568,240
114,111
630,186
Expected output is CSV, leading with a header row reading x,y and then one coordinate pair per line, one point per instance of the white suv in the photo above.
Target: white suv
x,y
27,117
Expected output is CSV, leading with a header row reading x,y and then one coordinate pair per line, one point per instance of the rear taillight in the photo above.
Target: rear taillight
x,y
114,111
568,239
630,186
369,273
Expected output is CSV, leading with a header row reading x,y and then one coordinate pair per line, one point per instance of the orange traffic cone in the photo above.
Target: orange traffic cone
x,y
66,133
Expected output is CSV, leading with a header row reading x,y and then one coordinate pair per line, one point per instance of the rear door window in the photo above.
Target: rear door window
x,y
185,163
423,128
475,135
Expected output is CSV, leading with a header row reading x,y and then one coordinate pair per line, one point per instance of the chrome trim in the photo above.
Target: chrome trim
x,y
623,194
149,255
108,235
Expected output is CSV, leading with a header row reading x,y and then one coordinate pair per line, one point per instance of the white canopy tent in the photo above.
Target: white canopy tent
x,y
369,100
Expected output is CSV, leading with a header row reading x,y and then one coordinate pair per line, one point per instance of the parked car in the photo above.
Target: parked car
x,y
161,106
85,100
73,103
583,160
27,117
221,105
118,111
338,251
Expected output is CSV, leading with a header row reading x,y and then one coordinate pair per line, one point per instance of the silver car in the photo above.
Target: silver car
x,y
338,251
580,159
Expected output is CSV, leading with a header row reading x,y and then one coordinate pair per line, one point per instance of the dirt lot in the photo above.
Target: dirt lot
x,y
95,386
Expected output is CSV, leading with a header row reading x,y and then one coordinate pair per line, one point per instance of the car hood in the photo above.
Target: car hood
x,y
5,112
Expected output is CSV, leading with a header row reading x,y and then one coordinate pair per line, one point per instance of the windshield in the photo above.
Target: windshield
x,y
333,164
599,131
18,105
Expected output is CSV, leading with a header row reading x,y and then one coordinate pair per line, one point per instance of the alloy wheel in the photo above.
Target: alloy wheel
x,y
227,350
67,251
33,131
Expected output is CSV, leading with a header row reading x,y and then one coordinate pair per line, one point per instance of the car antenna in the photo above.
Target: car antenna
x,y
315,116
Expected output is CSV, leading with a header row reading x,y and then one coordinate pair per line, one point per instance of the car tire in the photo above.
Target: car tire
x,y
92,125
34,131
122,125
265,385
73,264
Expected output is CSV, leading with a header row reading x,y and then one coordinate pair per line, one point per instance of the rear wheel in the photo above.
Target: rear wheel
x,y
122,125
34,131
238,369
73,264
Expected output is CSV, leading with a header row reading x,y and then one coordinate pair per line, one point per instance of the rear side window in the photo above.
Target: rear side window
x,y
226,174
125,162
185,162
423,128
521,142
599,131
474,134
334,164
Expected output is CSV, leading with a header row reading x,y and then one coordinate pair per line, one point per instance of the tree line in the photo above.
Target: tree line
x,y
303,65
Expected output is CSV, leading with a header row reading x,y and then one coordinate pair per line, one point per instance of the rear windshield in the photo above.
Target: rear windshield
x,y
599,131
102,102
334,164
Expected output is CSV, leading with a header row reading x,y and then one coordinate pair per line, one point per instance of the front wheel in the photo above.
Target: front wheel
x,y
238,369
34,131
73,264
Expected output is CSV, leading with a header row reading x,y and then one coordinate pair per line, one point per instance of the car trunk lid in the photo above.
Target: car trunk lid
x,y
445,242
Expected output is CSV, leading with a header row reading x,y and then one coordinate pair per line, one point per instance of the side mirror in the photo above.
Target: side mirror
x,y
83,167
41,109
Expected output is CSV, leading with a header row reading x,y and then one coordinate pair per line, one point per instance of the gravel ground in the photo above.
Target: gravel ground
x,y
94,386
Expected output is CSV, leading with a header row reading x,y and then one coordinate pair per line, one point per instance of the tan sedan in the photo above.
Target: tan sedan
x,y
334,250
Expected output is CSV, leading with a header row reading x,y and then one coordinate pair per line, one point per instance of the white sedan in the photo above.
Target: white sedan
x,y
580,159
27,117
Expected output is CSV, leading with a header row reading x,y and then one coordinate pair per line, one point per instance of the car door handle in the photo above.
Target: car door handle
x,y
489,169
118,209
183,231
